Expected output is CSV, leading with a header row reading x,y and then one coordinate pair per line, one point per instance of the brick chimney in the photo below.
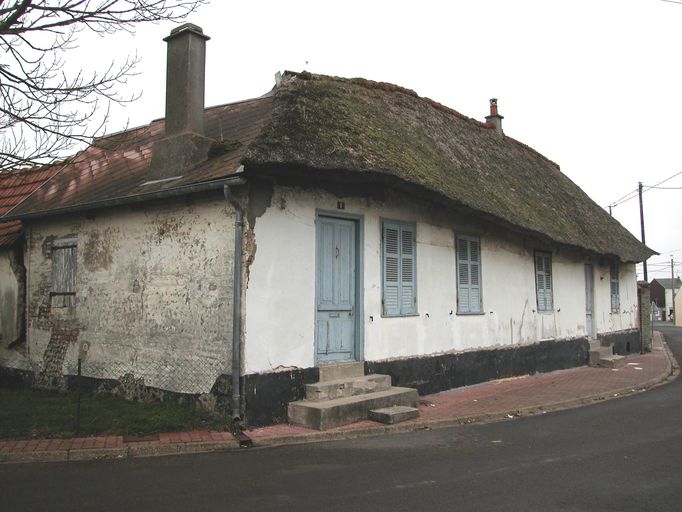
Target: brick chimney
x,y
184,145
494,120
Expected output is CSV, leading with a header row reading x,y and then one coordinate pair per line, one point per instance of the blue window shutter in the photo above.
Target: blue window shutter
x,y
543,281
399,251
615,290
408,271
391,268
468,274
475,275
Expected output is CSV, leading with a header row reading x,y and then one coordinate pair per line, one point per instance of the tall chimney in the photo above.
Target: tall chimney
x,y
494,119
185,80
184,145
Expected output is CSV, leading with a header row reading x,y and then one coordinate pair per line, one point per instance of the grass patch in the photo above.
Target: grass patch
x,y
45,414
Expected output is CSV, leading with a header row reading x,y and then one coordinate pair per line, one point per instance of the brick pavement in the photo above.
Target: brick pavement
x,y
483,402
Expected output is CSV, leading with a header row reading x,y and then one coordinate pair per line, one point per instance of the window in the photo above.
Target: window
x,y
63,292
468,274
399,269
615,291
543,281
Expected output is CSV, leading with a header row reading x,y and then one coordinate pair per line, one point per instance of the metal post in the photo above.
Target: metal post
x,y
641,221
672,288
78,399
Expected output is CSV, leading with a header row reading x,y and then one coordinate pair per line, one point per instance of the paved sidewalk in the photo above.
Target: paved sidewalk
x,y
491,401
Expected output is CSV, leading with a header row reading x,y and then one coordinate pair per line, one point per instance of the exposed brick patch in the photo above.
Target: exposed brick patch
x,y
53,359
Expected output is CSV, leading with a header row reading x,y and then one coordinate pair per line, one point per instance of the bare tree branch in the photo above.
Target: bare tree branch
x,y
45,111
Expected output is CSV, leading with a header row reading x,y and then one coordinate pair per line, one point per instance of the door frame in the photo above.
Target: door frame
x,y
359,330
591,335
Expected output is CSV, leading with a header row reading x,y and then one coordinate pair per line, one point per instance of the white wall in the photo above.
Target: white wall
x,y
153,294
280,297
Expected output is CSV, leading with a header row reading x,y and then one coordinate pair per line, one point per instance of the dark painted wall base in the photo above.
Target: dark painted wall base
x,y
623,342
267,395
438,373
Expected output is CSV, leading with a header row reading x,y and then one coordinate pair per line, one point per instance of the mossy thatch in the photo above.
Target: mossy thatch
x,y
326,124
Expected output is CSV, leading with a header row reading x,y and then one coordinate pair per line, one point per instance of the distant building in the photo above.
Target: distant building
x,y
662,291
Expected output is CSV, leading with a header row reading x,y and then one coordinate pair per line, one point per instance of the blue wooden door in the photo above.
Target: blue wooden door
x,y
335,318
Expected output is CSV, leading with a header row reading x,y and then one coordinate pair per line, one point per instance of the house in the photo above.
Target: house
x,y
662,292
230,255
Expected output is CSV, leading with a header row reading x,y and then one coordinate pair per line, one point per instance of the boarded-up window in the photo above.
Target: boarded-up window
x,y
615,289
468,274
63,292
543,280
399,269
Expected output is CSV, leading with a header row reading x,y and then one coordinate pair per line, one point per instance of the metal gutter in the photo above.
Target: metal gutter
x,y
125,200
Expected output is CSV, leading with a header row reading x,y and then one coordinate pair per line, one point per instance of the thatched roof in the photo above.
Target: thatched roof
x,y
326,124
373,131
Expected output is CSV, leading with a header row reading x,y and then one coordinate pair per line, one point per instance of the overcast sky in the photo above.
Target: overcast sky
x,y
592,85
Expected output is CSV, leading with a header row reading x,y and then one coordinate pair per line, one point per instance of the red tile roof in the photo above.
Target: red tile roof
x,y
117,166
14,188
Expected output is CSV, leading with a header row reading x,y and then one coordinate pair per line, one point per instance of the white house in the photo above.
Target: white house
x,y
226,254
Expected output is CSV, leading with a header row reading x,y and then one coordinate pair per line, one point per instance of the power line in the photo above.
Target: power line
x,y
634,193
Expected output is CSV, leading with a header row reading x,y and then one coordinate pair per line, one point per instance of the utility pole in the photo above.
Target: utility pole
x,y
641,221
672,287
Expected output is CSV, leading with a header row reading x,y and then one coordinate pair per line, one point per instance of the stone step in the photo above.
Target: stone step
x,y
326,414
613,361
337,371
395,414
598,353
331,389
595,344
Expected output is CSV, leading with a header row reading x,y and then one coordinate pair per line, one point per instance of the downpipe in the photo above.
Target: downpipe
x,y
236,300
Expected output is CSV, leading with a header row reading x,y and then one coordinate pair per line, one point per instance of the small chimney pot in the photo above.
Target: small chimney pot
x,y
494,119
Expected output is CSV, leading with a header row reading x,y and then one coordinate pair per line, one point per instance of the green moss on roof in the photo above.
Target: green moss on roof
x,y
326,123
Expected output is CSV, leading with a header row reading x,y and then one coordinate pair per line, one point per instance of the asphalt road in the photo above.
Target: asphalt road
x,y
618,455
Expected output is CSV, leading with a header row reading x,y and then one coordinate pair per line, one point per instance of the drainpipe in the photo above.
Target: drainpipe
x,y
236,302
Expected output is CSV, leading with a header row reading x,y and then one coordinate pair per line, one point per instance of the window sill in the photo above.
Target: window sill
x,y
401,316
477,313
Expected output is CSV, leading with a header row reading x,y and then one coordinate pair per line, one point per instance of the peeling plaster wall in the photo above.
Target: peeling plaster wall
x,y
280,298
153,295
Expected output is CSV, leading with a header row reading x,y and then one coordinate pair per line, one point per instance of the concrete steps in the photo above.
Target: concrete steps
x,y
341,388
326,414
603,356
345,395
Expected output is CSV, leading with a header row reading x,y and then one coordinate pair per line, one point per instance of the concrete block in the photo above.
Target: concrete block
x,y
341,371
395,414
329,390
612,361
